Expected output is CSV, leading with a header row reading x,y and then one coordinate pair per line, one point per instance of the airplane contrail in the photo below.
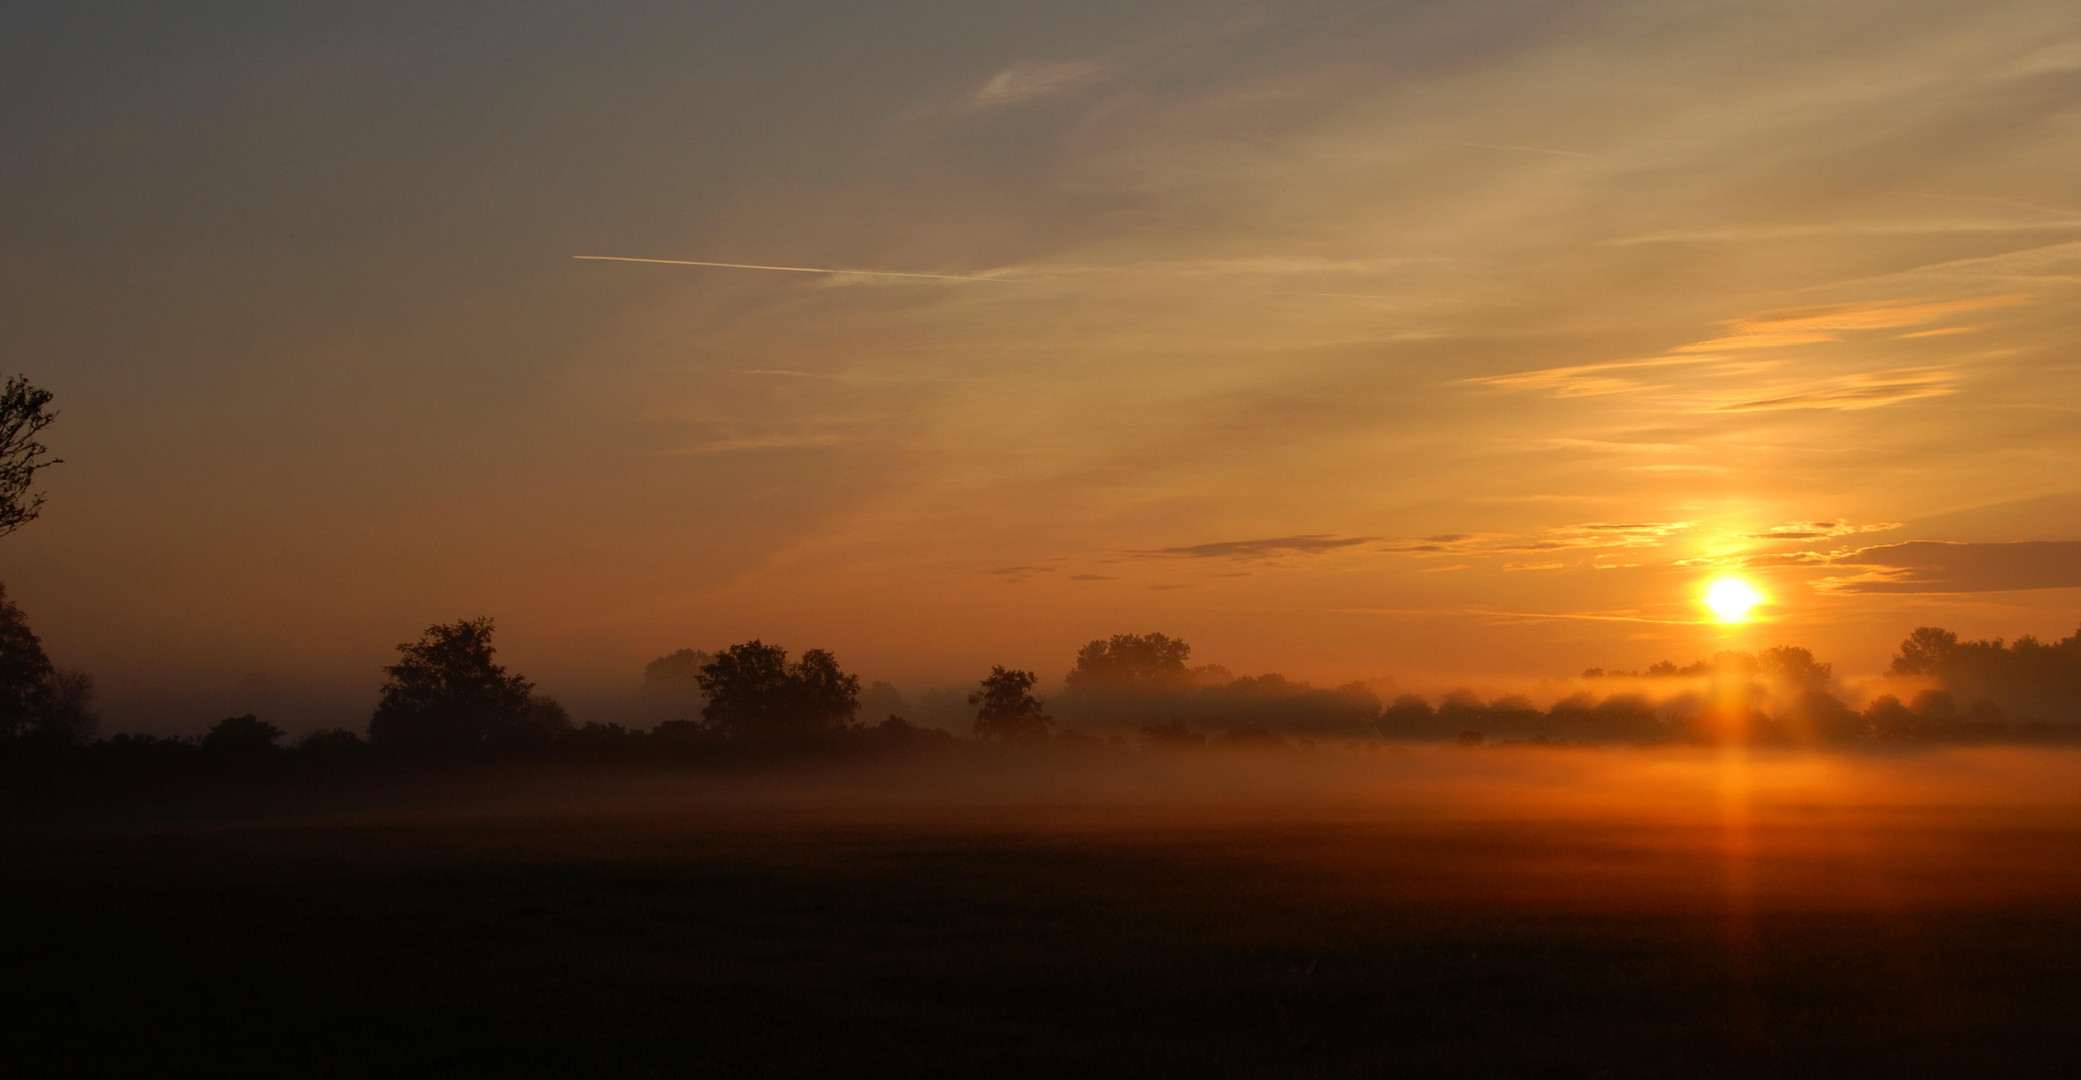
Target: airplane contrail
x,y
788,269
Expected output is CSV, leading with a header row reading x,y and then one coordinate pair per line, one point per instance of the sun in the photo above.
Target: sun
x,y
1731,599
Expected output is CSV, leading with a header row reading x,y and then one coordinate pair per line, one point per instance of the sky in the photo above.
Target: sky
x,y
1442,342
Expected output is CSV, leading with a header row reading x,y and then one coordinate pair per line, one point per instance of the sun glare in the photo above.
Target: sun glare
x,y
1731,599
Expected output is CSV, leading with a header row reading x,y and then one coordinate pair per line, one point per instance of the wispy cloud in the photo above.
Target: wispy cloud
x,y
1768,330
1030,79
1526,149
1620,446
1601,534
2027,266
1587,536
1310,544
2057,58
846,376
778,441
1754,233
1586,380
1675,468
839,272
1867,391
1829,322
1816,530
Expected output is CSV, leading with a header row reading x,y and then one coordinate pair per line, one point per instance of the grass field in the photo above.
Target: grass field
x,y
1435,913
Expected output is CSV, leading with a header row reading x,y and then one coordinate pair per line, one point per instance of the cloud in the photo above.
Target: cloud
x,y
1587,536
1440,544
1816,530
842,273
1751,233
1018,575
1828,322
1866,391
1777,558
1029,79
2055,59
777,441
1600,534
2040,263
1774,329
1619,446
1526,149
1935,566
1585,380
1309,544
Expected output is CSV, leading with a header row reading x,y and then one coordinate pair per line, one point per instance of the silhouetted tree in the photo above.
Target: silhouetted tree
x,y
2027,678
1924,651
1410,717
1820,715
675,679
1935,709
447,694
241,738
1460,711
1982,721
25,672
754,693
1274,702
331,747
68,719
1621,717
1005,707
1131,662
38,701
1887,718
883,699
1793,668
24,412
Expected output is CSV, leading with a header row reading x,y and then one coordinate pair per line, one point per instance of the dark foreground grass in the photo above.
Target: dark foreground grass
x,y
706,944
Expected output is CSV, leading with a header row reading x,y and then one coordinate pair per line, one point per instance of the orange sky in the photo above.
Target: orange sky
x,y
1447,342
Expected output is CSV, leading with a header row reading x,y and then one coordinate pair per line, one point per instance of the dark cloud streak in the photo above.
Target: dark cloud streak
x,y
1308,544
1935,566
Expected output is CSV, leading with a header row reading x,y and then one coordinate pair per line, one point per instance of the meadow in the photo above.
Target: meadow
x,y
1306,912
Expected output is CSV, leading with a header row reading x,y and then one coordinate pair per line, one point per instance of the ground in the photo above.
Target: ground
x,y
684,925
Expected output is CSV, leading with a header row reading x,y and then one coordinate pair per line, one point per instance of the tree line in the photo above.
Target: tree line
x,y
448,697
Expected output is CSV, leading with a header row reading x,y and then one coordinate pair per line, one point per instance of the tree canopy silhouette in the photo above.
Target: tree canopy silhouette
x,y
24,412
25,672
754,693
1131,662
675,678
446,693
241,737
2027,677
38,701
1005,707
